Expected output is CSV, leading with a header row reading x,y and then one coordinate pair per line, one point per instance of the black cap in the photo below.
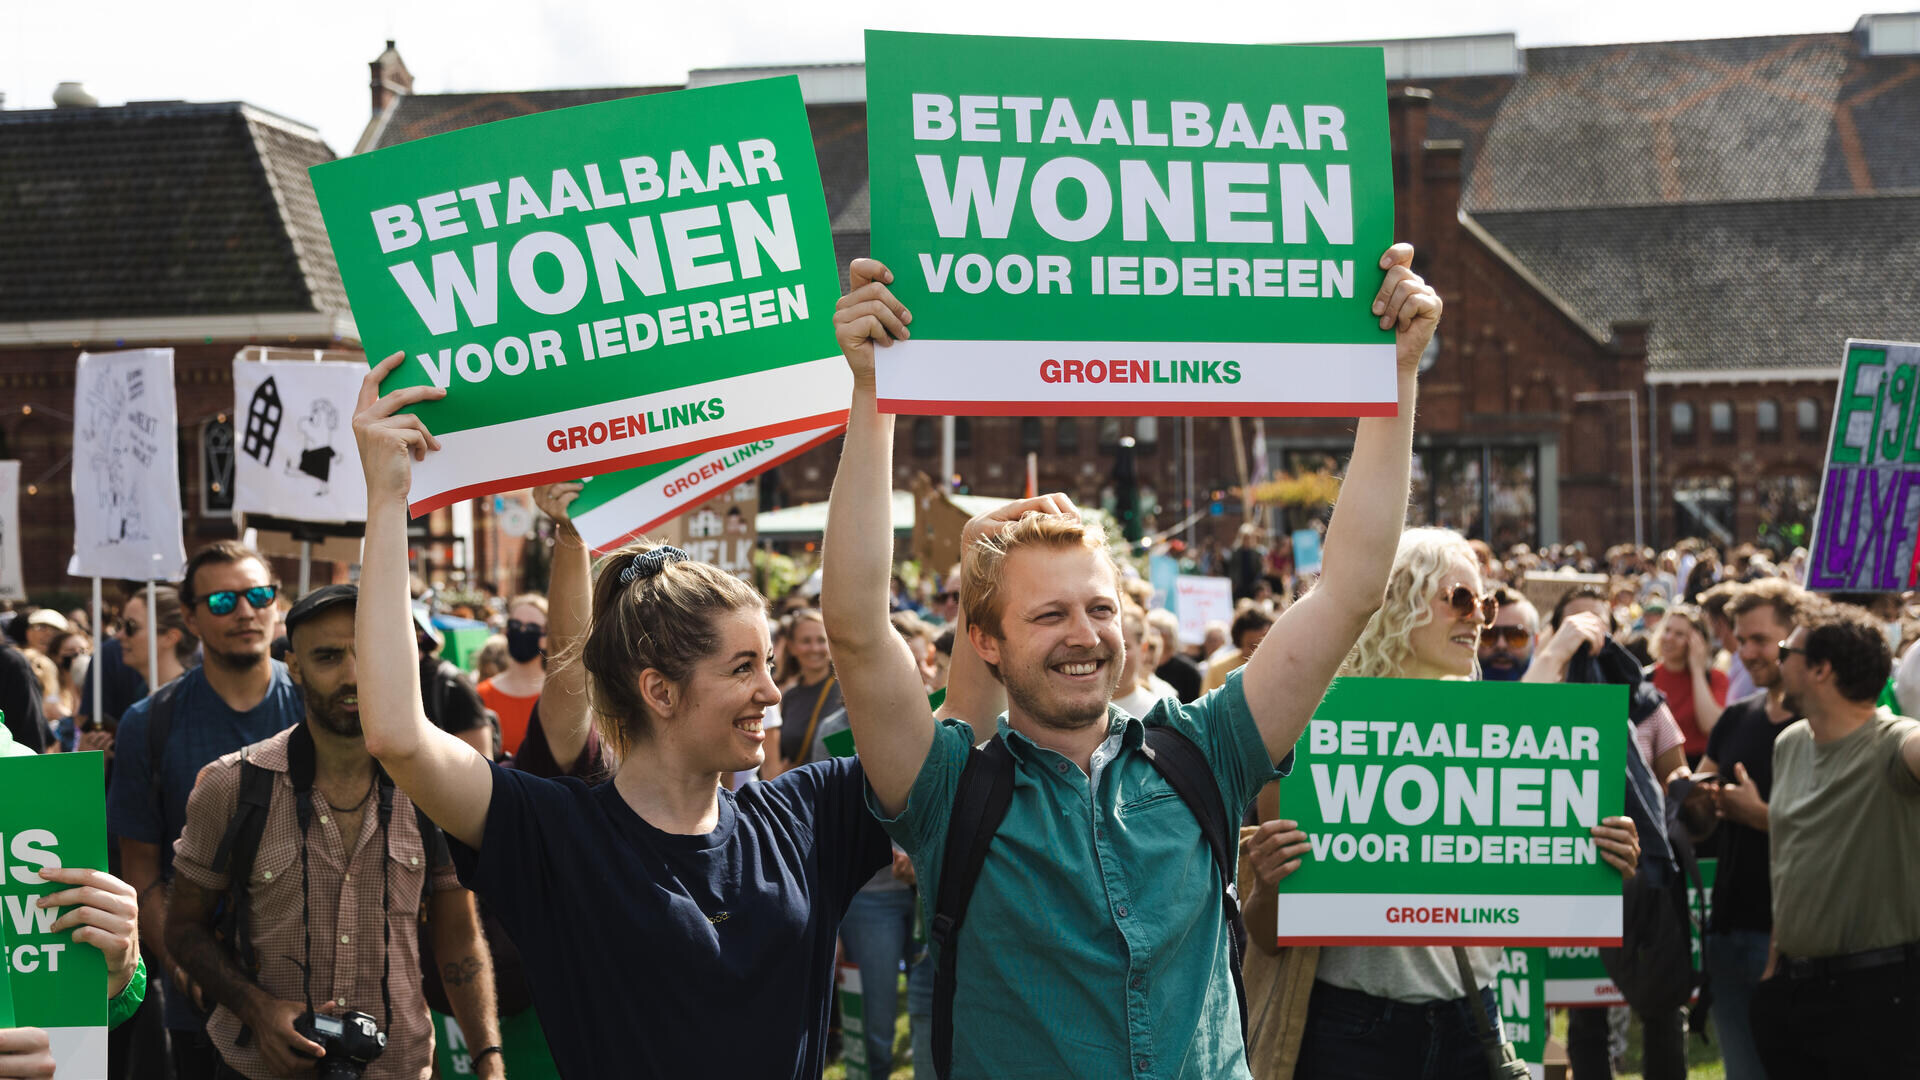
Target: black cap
x,y
319,600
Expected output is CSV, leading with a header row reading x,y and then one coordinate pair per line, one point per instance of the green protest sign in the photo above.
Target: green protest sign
x,y
1864,535
1131,227
1577,977
616,507
53,813
6,981
1521,990
853,1022
523,1047
600,287
1456,813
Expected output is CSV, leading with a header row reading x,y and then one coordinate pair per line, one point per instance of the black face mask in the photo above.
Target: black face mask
x,y
523,642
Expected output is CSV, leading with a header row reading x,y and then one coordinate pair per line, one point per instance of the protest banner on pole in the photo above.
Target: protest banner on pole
x,y
1131,228
13,585
1199,601
1521,990
126,471
618,507
1865,528
600,287
1456,813
53,813
297,456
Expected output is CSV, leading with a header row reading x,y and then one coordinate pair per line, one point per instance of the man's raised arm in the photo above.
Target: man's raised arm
x,y
886,703
1289,672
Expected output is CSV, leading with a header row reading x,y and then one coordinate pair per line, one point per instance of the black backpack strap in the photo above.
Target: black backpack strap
x,y
159,730
438,854
1185,769
234,857
980,804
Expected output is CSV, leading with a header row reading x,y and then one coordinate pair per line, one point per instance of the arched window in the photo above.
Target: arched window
x,y
962,436
926,437
1031,436
1809,419
1146,431
1680,421
1720,420
1766,419
1066,435
216,468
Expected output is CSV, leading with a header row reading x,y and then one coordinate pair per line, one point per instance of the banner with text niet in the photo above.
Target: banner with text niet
x,y
1131,227
597,288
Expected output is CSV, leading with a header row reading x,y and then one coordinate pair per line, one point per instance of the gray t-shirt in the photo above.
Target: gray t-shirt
x,y
1411,973
1845,837
884,881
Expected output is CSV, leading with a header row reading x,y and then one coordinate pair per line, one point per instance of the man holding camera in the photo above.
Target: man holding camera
x,y
327,871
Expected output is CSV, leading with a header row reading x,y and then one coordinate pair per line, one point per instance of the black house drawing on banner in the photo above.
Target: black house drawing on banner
x,y
263,423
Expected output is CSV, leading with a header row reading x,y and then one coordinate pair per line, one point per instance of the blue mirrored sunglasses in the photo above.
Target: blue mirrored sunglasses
x,y
258,598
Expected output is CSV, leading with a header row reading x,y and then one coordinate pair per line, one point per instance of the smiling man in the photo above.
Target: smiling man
x,y
238,695
1095,942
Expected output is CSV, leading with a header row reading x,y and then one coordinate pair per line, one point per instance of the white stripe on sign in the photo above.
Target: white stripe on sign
x,y
1137,371
1389,918
79,1052
1566,992
590,437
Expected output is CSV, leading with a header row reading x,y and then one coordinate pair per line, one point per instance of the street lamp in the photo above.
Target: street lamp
x,y
1632,398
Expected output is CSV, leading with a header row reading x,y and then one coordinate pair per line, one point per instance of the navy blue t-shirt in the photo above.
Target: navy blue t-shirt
x,y
657,955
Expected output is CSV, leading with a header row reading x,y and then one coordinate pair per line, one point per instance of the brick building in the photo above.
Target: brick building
x,y
1653,247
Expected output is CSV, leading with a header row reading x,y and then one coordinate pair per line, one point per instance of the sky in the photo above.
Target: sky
x,y
309,62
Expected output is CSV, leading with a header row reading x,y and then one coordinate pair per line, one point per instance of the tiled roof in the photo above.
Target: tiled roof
x,y
1771,284
160,209
1685,121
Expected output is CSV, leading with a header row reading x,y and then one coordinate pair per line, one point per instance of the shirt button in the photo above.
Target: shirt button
x,y
266,875
349,875
1139,982
342,1002
323,819
1060,767
343,939
1142,1064
415,860
1121,911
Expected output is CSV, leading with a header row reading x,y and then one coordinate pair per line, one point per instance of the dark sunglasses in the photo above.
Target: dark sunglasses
x,y
1464,604
523,627
131,627
944,597
1787,650
259,598
1513,636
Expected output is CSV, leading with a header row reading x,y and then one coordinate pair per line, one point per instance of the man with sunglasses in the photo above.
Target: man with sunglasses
x,y
239,695
1506,645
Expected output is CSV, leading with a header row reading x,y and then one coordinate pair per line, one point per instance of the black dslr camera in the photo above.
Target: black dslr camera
x,y
352,1040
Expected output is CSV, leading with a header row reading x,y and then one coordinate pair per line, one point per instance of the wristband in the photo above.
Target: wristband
x,y
484,1051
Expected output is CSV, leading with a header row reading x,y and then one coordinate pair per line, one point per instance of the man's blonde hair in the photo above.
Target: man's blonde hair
x,y
982,566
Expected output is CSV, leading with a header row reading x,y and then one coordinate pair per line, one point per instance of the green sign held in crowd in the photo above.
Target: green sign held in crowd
x,y
600,287
1131,227
1456,813
1576,976
53,813
1521,982
1864,535
616,507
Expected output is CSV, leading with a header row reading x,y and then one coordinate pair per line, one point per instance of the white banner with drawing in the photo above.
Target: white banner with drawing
x,y
293,435
126,467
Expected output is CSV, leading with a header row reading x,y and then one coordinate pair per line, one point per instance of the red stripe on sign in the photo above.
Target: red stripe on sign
x,y
738,478
1513,943
921,407
646,457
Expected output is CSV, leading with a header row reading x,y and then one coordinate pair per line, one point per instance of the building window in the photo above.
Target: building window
x,y
1146,432
216,468
1066,435
1807,418
1031,436
1680,421
1766,420
925,437
1720,420
1784,507
962,436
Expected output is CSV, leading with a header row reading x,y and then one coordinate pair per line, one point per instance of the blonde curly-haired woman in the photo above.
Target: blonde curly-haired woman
x,y
1399,1012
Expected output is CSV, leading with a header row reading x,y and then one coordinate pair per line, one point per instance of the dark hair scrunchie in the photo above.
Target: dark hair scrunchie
x,y
651,562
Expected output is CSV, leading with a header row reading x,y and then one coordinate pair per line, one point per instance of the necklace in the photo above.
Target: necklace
x,y
355,806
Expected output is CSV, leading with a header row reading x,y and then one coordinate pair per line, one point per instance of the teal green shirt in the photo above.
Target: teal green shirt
x,y
1094,943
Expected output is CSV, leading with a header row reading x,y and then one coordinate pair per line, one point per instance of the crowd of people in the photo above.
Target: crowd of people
x,y
641,828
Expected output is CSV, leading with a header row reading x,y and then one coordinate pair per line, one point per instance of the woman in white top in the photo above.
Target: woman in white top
x,y
1401,1011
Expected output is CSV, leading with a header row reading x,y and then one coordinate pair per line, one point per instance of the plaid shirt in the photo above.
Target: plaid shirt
x,y
344,896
